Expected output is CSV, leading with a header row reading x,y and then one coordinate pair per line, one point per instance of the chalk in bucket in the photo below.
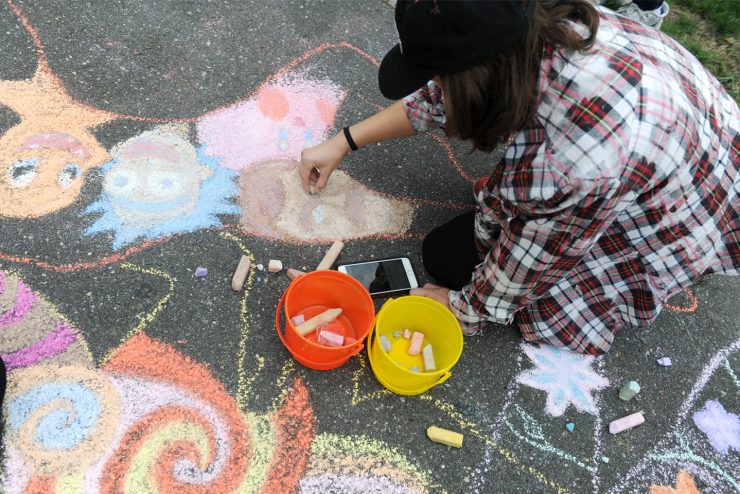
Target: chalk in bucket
x,y
314,293
440,328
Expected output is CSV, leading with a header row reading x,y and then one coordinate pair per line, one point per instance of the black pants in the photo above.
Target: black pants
x,y
449,252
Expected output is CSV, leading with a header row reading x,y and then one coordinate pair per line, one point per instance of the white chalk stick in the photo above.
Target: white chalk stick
x,y
331,256
427,354
385,343
628,422
240,275
274,266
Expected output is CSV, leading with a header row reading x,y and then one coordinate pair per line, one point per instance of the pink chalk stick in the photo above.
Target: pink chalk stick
x,y
327,338
407,334
416,340
627,422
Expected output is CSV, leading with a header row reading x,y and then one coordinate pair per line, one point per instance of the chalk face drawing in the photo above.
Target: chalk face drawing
x,y
275,205
158,184
721,427
43,159
281,119
567,378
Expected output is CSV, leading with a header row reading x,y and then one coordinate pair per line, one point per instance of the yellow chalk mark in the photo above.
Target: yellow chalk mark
x,y
508,455
245,383
285,373
151,315
358,398
264,439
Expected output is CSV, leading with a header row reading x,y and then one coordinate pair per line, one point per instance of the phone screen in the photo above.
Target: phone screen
x,y
381,276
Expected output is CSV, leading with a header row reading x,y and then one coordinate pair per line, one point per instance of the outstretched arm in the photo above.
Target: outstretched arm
x,y
319,162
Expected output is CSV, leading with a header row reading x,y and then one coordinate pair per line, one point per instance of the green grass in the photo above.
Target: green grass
x,y
709,29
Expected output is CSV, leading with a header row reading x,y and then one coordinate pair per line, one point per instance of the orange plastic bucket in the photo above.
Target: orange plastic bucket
x,y
313,293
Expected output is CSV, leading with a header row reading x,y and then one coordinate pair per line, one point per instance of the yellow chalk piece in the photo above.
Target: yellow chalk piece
x,y
443,436
312,324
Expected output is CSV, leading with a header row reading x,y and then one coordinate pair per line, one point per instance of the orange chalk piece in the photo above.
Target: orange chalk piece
x,y
274,266
294,273
415,346
317,321
331,256
443,436
240,275
628,422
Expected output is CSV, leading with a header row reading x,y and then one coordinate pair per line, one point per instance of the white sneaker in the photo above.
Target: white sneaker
x,y
651,18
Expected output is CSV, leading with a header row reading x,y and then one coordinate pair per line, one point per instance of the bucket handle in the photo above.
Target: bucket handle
x,y
357,346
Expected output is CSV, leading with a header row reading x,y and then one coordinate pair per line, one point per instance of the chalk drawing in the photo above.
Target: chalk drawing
x,y
721,427
276,206
566,377
284,117
157,185
684,485
45,157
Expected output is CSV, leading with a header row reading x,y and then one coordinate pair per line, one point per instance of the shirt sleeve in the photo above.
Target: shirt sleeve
x,y
425,107
548,223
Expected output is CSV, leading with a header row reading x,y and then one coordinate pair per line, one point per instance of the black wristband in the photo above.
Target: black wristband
x,y
350,141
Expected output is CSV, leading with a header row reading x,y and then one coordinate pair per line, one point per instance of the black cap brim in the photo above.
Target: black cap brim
x,y
397,78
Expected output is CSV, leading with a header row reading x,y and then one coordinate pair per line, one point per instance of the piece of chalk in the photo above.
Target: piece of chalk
x,y
261,267
628,422
415,369
320,320
396,334
570,426
327,338
407,334
629,390
416,340
385,343
427,354
201,272
298,320
443,436
294,273
240,275
275,266
664,361
605,459
331,256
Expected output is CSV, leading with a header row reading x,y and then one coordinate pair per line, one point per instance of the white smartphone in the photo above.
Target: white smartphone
x,y
384,277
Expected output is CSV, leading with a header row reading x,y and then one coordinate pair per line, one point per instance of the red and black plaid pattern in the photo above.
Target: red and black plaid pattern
x,y
623,191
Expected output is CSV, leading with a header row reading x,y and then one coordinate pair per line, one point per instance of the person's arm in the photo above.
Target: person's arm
x,y
389,123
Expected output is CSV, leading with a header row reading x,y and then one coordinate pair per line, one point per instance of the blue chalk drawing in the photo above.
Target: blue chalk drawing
x,y
565,376
215,196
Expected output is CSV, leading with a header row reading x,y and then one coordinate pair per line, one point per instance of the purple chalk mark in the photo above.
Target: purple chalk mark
x,y
54,343
2,283
721,427
23,303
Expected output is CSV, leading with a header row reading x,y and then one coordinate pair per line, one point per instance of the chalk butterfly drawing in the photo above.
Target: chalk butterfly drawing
x,y
159,184
150,419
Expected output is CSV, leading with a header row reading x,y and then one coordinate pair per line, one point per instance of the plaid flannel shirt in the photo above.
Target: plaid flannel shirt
x,y
622,191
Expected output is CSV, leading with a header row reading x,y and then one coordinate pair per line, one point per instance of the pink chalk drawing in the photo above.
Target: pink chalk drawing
x,y
278,122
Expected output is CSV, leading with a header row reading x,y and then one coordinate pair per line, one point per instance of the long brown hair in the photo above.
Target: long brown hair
x,y
488,102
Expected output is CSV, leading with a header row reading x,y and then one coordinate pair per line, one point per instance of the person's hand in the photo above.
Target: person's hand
x,y
320,161
435,292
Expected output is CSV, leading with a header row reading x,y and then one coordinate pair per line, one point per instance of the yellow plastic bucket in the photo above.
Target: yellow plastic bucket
x,y
441,329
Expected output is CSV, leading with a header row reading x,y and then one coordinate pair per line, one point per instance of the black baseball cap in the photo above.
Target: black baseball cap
x,y
447,36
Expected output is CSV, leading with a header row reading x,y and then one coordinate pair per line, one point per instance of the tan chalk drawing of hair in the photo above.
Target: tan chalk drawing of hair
x,y
44,159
